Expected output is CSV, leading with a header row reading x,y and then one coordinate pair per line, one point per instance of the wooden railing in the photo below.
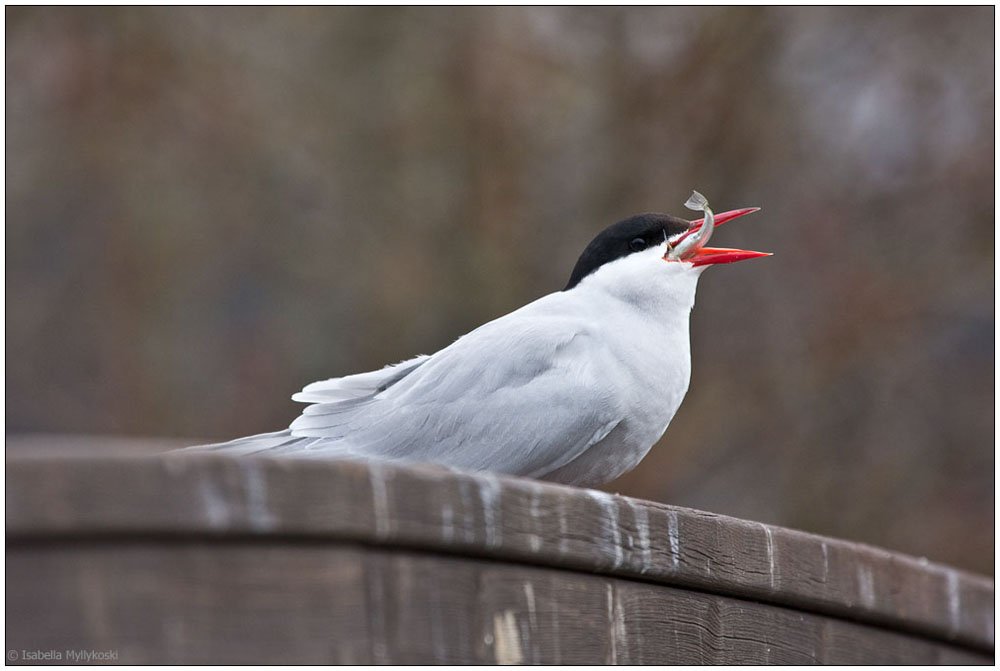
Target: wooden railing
x,y
210,559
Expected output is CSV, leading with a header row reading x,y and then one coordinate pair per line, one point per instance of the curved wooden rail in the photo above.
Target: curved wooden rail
x,y
344,561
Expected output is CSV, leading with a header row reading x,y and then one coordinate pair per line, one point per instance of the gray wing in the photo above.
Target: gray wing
x,y
524,394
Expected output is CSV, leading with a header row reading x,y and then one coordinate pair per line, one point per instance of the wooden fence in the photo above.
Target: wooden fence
x,y
152,559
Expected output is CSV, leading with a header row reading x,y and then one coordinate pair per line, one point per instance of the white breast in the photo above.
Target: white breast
x,y
645,325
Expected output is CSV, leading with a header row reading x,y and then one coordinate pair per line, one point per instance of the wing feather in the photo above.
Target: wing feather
x,y
359,385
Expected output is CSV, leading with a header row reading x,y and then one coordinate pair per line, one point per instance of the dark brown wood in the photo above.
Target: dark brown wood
x,y
246,603
204,511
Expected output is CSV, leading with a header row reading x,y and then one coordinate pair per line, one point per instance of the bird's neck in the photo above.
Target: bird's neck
x,y
662,290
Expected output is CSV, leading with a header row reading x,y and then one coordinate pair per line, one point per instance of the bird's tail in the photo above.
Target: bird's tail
x,y
277,443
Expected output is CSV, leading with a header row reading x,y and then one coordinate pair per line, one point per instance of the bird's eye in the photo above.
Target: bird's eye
x,y
637,245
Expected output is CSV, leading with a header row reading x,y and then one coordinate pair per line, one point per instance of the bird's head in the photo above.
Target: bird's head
x,y
662,238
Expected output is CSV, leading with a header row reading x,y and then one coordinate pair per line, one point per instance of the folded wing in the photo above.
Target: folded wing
x,y
522,395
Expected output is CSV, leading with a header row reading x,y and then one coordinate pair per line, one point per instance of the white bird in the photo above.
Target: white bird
x,y
575,387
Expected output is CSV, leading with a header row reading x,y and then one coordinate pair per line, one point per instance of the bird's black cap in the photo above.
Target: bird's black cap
x,y
626,237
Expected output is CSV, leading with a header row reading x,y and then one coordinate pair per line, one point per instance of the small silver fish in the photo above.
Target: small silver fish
x,y
692,242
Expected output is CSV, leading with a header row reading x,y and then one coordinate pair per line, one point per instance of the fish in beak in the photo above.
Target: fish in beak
x,y
690,247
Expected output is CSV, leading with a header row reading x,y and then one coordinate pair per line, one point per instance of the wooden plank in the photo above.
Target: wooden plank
x,y
247,602
504,518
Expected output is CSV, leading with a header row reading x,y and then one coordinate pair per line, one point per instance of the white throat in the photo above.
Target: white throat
x,y
662,289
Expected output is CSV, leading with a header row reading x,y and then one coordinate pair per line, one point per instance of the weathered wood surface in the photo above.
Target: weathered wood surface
x,y
302,603
202,510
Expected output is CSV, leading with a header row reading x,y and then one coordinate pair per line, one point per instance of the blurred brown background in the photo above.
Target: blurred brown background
x,y
209,208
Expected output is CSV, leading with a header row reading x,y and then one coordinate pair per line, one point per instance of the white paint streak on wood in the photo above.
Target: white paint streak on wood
x,y
673,535
954,600
447,523
620,633
507,640
380,500
613,639
771,564
641,516
866,585
563,529
489,497
609,520
213,503
529,596
469,526
259,513
826,562
535,541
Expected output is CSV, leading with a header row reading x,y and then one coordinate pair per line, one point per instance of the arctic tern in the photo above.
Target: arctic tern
x,y
574,387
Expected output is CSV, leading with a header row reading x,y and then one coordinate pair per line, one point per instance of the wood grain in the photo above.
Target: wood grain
x,y
516,523
244,603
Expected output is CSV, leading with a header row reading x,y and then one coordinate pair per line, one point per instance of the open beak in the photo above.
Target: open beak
x,y
713,255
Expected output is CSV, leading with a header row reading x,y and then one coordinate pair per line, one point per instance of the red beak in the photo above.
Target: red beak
x,y
713,255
